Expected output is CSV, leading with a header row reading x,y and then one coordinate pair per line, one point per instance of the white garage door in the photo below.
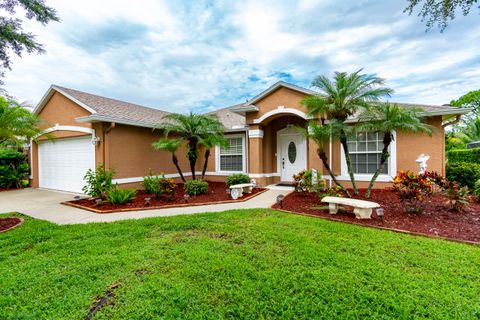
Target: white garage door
x,y
62,164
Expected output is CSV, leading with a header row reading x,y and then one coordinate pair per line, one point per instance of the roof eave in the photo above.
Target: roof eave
x,y
53,88
99,118
245,108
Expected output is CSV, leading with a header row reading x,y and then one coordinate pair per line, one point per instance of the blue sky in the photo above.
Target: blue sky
x,y
203,55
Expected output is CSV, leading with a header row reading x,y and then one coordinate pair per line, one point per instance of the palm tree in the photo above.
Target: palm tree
x,y
170,145
386,118
465,134
343,97
208,143
17,124
321,133
192,128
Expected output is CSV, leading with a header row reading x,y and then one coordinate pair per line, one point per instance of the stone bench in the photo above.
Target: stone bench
x,y
237,190
362,208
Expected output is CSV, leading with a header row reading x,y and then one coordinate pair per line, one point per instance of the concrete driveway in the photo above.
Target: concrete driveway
x,y
45,205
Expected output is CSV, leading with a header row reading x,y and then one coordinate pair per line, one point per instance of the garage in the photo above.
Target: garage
x,y
62,163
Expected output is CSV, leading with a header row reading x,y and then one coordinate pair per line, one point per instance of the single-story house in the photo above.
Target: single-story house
x,y
91,129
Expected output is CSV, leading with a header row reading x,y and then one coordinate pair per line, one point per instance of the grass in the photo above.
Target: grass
x,y
239,264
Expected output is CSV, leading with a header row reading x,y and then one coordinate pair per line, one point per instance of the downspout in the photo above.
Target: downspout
x,y
106,145
330,162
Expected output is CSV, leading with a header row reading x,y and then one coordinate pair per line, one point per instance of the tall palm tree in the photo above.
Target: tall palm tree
x,y
192,128
170,145
341,98
208,143
17,124
321,133
386,118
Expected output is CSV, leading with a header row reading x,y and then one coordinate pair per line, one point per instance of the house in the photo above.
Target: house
x,y
90,129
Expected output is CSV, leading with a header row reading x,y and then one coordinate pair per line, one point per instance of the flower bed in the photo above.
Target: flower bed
x,y
435,221
9,223
216,194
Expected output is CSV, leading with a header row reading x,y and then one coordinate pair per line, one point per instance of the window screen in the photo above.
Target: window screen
x,y
366,151
231,157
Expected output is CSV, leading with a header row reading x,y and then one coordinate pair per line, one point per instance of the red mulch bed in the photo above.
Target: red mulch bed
x,y
8,189
216,194
435,221
9,223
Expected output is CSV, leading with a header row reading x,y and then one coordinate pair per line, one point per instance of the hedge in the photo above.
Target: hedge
x,y
464,155
13,168
466,174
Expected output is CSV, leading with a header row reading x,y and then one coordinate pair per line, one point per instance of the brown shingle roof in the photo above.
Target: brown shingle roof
x,y
116,109
230,120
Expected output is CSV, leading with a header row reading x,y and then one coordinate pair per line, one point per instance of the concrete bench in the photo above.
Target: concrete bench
x,y
362,208
237,190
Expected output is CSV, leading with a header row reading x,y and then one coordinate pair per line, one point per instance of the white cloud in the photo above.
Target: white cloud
x,y
199,55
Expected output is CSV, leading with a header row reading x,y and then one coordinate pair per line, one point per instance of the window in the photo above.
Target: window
x,y
231,158
365,152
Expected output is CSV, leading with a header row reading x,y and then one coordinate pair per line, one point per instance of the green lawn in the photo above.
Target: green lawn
x,y
237,264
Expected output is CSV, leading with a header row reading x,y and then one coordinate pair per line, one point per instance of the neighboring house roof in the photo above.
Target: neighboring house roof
x,y
430,110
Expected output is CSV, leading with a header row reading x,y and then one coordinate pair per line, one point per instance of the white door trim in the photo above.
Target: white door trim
x,y
289,131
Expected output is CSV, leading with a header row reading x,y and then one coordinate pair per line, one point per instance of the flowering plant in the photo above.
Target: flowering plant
x,y
413,188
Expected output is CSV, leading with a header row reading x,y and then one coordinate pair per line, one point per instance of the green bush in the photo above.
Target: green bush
x,y
464,155
476,189
237,178
14,169
120,196
159,185
98,182
466,174
196,187
302,182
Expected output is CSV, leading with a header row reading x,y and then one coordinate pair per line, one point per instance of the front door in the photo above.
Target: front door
x,y
292,153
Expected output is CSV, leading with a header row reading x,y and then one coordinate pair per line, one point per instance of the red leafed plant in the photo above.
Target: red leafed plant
x,y
413,188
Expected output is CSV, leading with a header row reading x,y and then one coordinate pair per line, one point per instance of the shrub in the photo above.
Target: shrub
x,y
120,196
237,178
413,188
196,187
167,187
458,196
98,182
464,155
331,192
302,182
464,173
476,189
158,185
13,169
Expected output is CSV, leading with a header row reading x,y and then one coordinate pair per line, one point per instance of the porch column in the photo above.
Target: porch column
x,y
255,149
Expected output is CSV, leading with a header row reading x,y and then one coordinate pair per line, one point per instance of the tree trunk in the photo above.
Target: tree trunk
x,y
387,140
175,162
343,141
205,164
324,159
192,156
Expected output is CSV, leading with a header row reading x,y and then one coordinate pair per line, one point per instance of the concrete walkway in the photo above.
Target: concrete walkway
x,y
45,205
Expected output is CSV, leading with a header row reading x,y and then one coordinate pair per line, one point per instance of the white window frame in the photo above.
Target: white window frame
x,y
244,155
391,164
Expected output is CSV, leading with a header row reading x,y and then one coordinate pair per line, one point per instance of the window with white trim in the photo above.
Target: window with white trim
x,y
232,158
366,151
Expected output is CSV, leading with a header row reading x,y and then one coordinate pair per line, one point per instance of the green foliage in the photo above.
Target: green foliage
x,y
120,196
458,196
196,187
237,178
466,155
98,182
12,36
17,124
191,267
167,187
439,12
302,182
13,169
158,185
464,173
413,189
469,100
476,189
331,192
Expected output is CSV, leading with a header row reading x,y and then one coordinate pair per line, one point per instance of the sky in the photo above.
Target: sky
x,y
198,56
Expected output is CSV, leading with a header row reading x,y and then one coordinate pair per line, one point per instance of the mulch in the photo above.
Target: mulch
x,y
8,189
216,194
435,221
9,223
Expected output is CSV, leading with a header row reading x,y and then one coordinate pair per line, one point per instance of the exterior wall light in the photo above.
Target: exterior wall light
x,y
95,140
380,213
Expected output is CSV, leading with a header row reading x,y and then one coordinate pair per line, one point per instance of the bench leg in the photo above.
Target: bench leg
x,y
332,208
236,193
362,213
247,190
